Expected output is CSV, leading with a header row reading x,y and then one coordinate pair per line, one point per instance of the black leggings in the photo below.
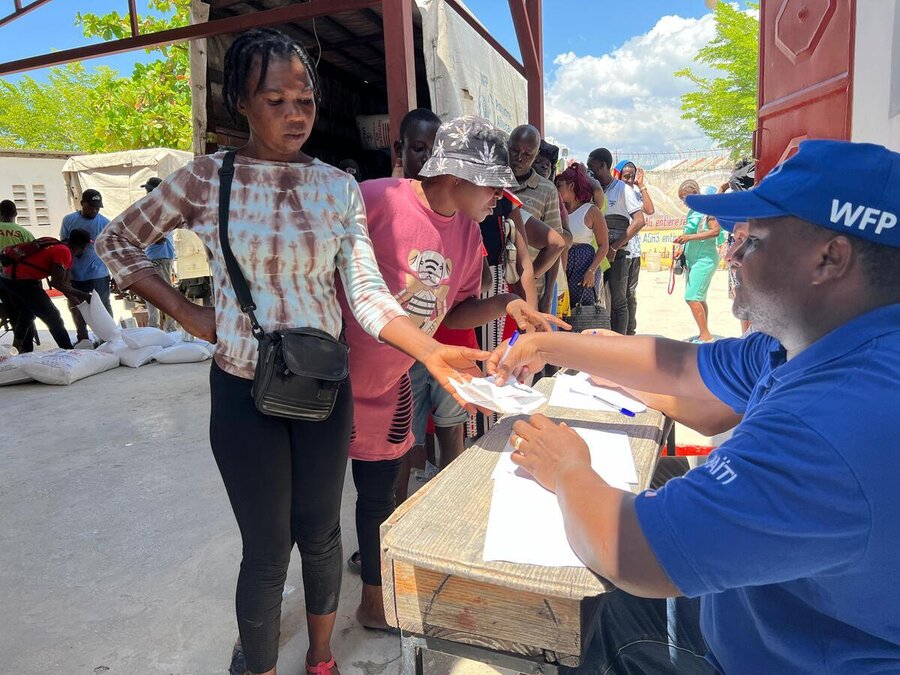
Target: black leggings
x,y
376,483
284,479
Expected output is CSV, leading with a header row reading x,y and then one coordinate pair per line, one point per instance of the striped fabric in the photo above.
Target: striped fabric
x,y
291,226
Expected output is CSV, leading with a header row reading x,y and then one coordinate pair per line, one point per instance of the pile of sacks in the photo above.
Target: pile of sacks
x,y
136,347
133,347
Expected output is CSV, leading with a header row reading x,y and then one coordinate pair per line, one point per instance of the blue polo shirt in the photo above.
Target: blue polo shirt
x,y
89,266
790,533
164,250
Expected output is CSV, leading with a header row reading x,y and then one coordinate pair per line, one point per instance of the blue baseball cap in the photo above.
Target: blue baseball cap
x,y
853,188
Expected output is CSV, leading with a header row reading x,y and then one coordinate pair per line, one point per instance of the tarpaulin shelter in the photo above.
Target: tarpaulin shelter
x,y
119,175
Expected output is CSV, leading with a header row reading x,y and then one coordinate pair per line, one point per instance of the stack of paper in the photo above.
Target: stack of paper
x,y
577,391
512,398
525,524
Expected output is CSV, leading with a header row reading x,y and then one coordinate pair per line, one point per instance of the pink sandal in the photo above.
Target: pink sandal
x,y
321,668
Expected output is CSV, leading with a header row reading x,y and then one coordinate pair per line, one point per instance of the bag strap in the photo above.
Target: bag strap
x,y
238,281
40,245
584,288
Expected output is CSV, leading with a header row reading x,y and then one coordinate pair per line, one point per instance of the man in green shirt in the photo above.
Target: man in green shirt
x,y
10,232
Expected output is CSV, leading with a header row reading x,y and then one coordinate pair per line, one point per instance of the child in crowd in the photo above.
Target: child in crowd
x,y
428,246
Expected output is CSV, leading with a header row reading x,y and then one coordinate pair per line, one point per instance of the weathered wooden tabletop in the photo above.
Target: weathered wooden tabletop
x,y
442,527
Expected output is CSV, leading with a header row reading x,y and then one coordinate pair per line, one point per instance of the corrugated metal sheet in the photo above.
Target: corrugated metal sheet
x,y
348,49
350,41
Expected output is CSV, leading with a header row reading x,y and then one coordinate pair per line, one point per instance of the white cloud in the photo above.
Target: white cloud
x,y
629,99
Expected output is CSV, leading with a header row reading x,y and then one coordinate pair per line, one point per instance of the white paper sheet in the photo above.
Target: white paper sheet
x,y
574,391
510,399
525,524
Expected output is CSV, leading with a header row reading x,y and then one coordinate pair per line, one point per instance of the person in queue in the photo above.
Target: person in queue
x,y
540,199
789,535
427,243
547,160
417,132
632,176
589,234
701,254
624,219
294,223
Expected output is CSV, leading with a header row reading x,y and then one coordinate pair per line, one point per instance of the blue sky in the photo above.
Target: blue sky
x,y
52,27
608,64
582,26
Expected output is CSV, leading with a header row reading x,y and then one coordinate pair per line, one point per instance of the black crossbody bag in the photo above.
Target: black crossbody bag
x,y
299,371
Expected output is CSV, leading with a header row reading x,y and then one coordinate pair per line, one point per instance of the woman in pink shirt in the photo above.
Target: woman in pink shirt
x,y
427,242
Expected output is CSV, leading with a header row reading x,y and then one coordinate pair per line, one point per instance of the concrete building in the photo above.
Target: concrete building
x,y
34,181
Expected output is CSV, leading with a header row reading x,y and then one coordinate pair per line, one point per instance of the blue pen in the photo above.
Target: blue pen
x,y
512,341
624,411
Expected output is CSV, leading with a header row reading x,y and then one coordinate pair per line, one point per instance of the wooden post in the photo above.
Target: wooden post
x,y
536,83
133,18
529,37
399,61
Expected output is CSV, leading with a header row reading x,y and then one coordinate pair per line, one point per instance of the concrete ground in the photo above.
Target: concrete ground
x,y
120,552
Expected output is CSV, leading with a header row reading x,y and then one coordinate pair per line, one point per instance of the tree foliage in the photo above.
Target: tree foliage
x,y
97,110
724,106
58,114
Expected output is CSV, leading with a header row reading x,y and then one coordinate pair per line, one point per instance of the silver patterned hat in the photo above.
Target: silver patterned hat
x,y
473,149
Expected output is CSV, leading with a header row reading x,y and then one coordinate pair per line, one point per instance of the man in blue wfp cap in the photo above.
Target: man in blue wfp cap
x,y
790,534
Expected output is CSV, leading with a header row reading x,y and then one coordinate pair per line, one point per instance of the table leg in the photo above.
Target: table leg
x,y
413,648
410,655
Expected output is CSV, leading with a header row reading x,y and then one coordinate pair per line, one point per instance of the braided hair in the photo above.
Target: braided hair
x,y
266,43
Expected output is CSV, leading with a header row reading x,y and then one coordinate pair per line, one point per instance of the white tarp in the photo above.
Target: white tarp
x,y
119,175
466,76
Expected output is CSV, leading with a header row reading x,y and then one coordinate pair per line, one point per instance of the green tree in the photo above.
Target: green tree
x,y
58,114
81,110
724,106
152,108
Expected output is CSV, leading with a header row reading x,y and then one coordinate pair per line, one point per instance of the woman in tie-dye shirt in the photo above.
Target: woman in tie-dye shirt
x,y
293,222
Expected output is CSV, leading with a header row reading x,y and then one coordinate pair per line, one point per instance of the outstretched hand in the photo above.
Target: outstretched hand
x,y
458,363
530,320
523,360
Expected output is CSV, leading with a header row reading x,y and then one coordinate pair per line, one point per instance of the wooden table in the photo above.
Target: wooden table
x,y
444,597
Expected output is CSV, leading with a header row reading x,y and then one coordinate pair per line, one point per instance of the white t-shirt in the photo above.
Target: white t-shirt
x,y
634,244
621,200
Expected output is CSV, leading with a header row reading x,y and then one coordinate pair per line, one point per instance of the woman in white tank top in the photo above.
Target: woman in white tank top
x,y
590,238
